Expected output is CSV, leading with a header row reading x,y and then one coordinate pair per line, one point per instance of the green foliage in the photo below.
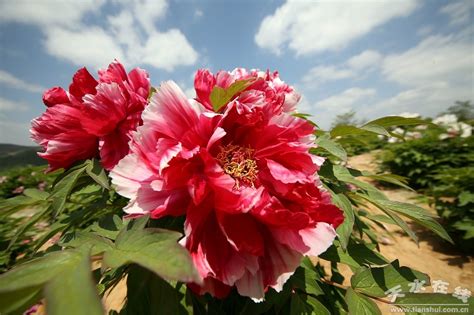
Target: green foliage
x,y
83,211
376,281
27,177
443,170
360,304
149,294
48,277
357,140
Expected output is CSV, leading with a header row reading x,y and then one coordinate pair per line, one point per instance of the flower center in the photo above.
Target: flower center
x,y
239,163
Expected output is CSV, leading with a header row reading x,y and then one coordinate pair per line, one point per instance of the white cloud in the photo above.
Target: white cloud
x,y
47,12
355,66
424,30
148,11
346,100
459,12
436,73
327,73
14,132
9,105
198,13
437,58
130,36
10,80
307,26
169,49
91,46
325,110
428,100
366,59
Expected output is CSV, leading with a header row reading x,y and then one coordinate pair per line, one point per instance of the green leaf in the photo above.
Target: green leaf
x,y
34,273
305,278
108,226
12,205
381,218
36,194
390,178
52,230
306,304
332,147
24,227
399,221
377,126
378,280
348,130
344,230
345,130
54,272
153,90
355,256
154,249
72,290
343,174
64,186
465,197
17,302
391,121
149,294
417,214
97,173
137,223
376,129
221,96
359,304
92,242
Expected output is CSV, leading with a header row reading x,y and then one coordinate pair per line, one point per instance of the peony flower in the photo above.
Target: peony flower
x,y
93,117
445,120
269,85
453,127
243,178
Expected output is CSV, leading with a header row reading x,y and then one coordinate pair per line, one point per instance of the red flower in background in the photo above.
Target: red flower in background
x,y
243,177
93,118
266,85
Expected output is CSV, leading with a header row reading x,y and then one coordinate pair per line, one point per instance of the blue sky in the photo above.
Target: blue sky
x,y
375,57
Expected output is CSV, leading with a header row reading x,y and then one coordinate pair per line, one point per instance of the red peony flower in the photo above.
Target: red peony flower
x,y
243,177
93,118
269,85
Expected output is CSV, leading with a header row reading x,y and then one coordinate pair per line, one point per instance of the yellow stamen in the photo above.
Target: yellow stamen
x,y
239,163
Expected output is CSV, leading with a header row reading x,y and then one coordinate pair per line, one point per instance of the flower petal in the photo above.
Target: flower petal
x,y
310,241
82,83
169,112
232,224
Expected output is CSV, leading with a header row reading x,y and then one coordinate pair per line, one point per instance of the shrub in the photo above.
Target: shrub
x,y
443,170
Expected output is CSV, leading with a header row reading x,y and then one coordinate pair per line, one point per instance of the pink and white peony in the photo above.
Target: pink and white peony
x,y
243,177
94,118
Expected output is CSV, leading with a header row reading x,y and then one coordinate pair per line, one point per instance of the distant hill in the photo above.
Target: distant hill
x,y
12,155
